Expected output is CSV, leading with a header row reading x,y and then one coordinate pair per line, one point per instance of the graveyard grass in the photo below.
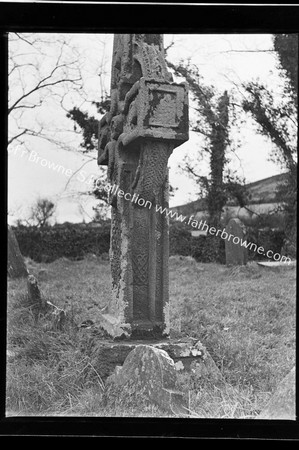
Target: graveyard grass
x,y
245,316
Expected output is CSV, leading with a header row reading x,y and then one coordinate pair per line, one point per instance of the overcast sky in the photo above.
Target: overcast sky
x,y
223,60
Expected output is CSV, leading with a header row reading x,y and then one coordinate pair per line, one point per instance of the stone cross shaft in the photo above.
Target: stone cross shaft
x,y
148,118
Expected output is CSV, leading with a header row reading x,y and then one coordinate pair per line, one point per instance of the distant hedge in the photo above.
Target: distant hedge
x,y
72,241
203,248
212,249
269,238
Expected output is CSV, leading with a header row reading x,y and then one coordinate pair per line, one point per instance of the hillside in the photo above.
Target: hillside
x,y
264,191
261,192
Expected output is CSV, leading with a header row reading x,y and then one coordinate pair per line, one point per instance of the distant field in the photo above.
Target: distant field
x,y
264,191
263,198
245,316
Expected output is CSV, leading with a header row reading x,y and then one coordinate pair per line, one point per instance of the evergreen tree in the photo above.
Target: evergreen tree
x,y
213,122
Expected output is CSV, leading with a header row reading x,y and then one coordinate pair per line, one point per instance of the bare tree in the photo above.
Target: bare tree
x,y
48,75
44,72
42,212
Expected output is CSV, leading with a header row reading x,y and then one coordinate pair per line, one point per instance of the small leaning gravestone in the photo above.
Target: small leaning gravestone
x,y
235,254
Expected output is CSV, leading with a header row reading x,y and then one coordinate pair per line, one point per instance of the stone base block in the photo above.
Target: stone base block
x,y
188,355
147,375
116,330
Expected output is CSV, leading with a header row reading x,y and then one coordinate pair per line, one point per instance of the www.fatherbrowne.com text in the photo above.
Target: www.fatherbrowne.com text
x,y
199,225
92,180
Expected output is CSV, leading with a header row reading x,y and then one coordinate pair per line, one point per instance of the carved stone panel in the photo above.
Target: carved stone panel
x,y
156,110
148,118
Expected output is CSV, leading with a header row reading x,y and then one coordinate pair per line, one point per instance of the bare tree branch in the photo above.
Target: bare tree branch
x,y
40,86
17,136
17,66
248,51
50,74
28,106
76,171
23,39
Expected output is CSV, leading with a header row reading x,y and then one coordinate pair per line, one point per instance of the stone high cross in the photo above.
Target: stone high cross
x,y
148,118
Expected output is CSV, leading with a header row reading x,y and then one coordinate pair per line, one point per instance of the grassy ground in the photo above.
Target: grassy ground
x,y
245,316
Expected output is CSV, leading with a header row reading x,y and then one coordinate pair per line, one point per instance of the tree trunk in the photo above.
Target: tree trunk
x,y
219,140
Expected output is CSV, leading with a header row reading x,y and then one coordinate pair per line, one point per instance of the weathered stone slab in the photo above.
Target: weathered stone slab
x,y
189,355
37,303
148,374
282,404
34,294
235,254
16,266
40,306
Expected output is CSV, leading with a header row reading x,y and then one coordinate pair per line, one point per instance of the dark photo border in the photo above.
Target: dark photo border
x,y
71,17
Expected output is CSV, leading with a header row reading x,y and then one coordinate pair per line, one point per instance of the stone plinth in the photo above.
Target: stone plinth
x,y
147,375
188,355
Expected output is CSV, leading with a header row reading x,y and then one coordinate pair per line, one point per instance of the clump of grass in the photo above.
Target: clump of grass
x,y
46,370
244,317
226,402
49,373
